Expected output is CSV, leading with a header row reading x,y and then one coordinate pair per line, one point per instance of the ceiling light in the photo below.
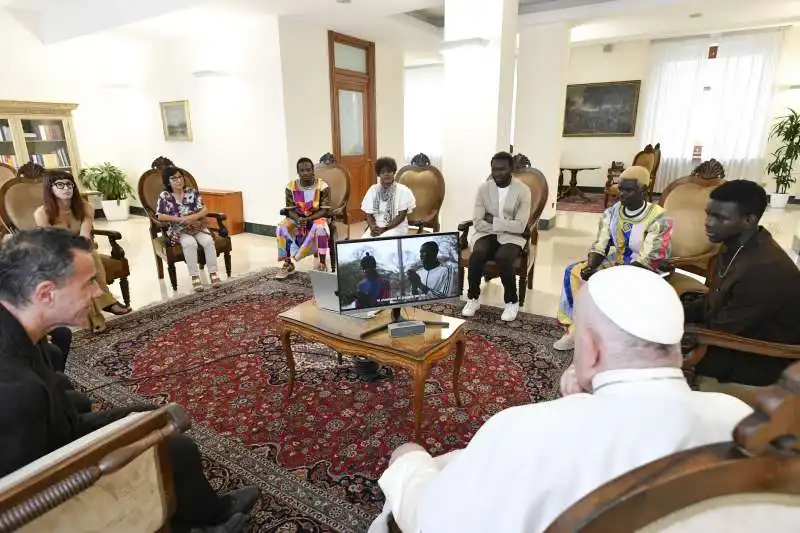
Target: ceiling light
x,y
695,15
342,1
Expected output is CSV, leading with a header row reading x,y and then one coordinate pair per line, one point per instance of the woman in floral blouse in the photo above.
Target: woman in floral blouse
x,y
183,211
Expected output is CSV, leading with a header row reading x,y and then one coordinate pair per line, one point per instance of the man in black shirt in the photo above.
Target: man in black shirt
x,y
47,279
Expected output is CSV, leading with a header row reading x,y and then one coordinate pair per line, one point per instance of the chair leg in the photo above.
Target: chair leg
x,y
173,276
159,267
227,257
126,291
332,257
463,280
523,283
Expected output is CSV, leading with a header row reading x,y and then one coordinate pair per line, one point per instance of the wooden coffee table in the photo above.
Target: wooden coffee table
x,y
342,334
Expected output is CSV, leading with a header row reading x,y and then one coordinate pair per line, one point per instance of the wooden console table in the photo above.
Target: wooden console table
x,y
228,202
572,189
342,334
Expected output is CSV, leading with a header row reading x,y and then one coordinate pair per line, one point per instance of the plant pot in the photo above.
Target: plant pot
x,y
116,209
778,201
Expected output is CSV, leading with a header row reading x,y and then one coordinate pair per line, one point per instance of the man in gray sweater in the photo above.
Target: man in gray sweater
x,y
502,210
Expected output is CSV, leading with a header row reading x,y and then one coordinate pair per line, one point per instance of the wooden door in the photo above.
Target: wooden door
x,y
352,67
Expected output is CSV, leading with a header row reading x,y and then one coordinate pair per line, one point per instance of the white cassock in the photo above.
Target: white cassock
x,y
403,201
528,464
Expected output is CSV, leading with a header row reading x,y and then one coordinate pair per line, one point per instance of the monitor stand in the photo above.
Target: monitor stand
x,y
396,318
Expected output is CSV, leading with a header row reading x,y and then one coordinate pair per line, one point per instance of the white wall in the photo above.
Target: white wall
x,y
424,111
589,64
389,101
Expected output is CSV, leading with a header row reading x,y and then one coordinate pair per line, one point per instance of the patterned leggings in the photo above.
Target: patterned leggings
x,y
299,242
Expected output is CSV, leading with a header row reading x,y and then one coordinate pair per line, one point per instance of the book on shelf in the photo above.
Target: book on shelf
x,y
54,160
50,132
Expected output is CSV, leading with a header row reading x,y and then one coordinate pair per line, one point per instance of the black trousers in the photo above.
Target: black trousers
x,y
488,249
62,339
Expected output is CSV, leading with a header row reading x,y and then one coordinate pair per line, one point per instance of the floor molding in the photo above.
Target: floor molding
x,y
260,229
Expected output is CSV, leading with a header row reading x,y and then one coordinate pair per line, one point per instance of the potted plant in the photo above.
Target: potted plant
x,y
111,182
787,133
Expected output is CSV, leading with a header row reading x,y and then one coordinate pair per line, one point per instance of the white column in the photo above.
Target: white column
x,y
542,66
478,51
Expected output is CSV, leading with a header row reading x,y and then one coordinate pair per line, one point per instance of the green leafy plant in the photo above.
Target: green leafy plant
x,y
787,132
108,180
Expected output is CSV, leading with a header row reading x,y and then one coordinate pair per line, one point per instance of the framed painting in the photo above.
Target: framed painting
x,y
601,109
176,121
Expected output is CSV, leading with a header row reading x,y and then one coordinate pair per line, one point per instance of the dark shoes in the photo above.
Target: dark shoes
x,y
240,500
234,524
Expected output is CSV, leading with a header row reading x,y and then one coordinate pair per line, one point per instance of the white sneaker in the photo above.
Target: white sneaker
x,y
565,343
510,312
471,308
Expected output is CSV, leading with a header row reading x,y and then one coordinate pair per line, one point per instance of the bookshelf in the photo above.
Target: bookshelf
x,y
41,132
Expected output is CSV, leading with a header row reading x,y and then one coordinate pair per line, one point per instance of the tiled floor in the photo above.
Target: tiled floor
x,y
568,241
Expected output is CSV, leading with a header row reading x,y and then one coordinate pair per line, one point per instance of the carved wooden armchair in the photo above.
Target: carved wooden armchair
x,y
749,484
6,173
427,184
338,179
685,201
115,479
22,195
524,265
150,187
649,158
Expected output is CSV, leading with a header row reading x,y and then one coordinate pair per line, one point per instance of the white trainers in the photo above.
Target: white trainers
x,y
510,312
565,343
471,307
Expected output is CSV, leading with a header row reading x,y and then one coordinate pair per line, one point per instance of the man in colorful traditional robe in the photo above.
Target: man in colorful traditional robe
x,y
631,232
305,230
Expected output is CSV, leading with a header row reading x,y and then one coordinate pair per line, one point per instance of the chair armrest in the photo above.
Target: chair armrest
x,y
464,226
463,241
113,236
221,217
706,337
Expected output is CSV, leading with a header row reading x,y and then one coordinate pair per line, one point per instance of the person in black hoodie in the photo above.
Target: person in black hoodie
x,y
47,279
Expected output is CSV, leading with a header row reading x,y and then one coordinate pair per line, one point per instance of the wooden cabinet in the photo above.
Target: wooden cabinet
x,y
40,132
228,202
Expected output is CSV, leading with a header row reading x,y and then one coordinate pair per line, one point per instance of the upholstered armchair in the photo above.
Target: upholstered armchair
x,y
150,187
6,173
338,179
427,184
117,478
649,158
22,195
685,202
747,484
537,183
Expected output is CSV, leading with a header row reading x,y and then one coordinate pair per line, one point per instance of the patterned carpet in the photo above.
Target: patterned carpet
x,y
317,458
592,204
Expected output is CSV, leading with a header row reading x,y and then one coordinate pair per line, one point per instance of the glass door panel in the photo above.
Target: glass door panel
x,y
351,123
47,143
7,153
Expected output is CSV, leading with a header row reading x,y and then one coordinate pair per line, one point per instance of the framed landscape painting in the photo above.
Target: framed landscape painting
x,y
601,109
175,118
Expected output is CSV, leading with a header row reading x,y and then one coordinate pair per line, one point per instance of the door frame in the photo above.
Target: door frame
x,y
350,79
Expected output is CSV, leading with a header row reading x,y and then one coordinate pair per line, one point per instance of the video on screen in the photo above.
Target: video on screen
x,y
397,271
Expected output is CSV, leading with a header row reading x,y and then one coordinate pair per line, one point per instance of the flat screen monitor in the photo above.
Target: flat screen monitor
x,y
397,271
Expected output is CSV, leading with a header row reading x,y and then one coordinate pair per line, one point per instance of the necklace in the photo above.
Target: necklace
x,y
634,214
662,378
308,187
723,274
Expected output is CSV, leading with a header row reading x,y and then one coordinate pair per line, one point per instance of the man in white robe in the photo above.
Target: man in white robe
x,y
626,403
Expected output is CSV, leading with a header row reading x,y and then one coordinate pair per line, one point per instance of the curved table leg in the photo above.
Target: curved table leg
x,y
420,375
461,346
287,350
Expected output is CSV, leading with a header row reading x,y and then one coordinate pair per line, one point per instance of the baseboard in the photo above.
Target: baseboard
x,y
260,229
794,200
546,223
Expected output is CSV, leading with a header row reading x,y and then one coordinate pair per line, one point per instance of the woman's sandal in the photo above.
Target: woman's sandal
x,y
215,281
197,284
117,309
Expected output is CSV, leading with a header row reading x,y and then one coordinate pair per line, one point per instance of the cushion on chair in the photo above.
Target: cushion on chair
x,y
21,201
646,160
686,206
337,181
424,184
174,254
684,284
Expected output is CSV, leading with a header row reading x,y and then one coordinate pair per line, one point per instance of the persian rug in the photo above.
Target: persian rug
x,y
574,203
317,457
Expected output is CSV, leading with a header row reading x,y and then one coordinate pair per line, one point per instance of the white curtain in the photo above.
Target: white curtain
x,y
672,96
742,85
423,128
